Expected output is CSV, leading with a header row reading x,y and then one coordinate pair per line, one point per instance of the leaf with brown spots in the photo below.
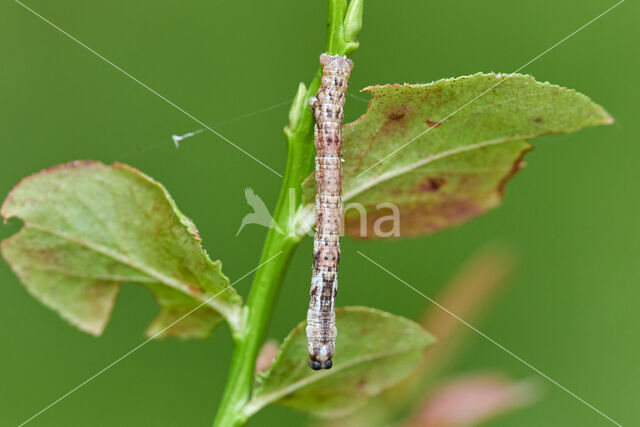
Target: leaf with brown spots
x,y
375,350
89,227
439,169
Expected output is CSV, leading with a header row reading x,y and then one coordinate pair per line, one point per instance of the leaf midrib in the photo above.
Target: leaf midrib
x,y
393,173
257,403
228,312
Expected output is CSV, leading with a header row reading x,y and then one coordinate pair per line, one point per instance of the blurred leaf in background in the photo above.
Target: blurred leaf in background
x,y
434,399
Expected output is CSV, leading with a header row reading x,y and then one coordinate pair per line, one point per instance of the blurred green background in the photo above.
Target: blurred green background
x,y
571,215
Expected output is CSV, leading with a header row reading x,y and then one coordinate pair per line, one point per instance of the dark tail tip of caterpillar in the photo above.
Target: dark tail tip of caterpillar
x,y
316,365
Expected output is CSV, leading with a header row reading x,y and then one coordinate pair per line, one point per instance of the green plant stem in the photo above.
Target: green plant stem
x,y
277,252
278,248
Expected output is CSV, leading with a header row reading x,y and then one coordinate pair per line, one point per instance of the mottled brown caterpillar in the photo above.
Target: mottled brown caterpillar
x,y
328,111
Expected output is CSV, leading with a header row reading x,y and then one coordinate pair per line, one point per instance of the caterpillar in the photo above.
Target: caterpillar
x,y
328,111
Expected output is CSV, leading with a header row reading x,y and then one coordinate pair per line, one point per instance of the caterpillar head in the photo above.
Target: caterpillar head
x,y
316,365
320,357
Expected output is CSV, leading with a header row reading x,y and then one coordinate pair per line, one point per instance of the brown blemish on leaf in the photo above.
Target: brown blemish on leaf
x,y
433,124
455,211
421,219
396,121
517,165
538,120
396,115
429,185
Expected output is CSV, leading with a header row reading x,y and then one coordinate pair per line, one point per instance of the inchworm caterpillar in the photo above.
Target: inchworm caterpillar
x,y
328,111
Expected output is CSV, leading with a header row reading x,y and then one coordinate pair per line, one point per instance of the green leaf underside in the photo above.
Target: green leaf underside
x,y
458,168
374,350
89,227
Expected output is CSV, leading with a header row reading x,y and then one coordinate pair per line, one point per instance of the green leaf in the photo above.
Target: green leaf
x,y
374,350
454,169
88,227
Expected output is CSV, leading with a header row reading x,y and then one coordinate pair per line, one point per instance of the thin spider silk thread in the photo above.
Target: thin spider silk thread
x,y
142,150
